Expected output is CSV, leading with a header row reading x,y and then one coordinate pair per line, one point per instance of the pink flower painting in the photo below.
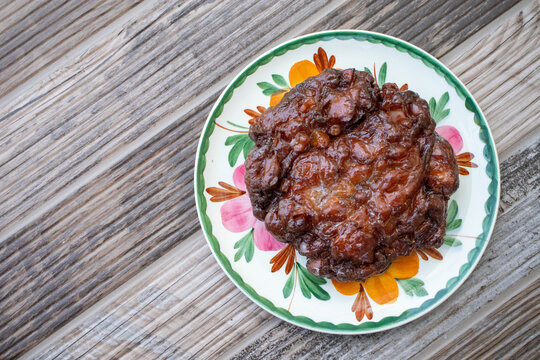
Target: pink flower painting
x,y
236,213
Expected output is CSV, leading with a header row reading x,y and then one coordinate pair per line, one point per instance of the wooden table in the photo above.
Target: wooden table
x,y
101,106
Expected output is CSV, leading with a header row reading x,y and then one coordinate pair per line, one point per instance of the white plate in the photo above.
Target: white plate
x,y
243,247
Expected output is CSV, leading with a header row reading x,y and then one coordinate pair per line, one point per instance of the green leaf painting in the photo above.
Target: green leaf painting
x,y
451,241
437,108
381,78
287,289
311,284
269,89
382,75
413,287
452,223
245,247
280,80
452,212
240,143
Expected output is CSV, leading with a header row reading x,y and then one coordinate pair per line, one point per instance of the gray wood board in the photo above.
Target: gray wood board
x,y
512,255
184,306
101,110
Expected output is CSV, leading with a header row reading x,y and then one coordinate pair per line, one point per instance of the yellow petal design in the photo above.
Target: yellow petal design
x,y
404,267
300,71
275,99
382,289
347,288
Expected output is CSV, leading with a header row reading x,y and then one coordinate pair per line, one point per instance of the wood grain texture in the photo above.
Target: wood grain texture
x,y
47,32
509,61
435,26
513,253
183,306
210,318
503,329
97,138
520,182
163,316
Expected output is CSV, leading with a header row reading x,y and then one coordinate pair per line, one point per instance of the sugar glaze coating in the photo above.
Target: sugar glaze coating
x,y
352,175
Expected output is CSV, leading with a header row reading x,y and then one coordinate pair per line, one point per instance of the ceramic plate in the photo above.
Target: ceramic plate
x,y
273,275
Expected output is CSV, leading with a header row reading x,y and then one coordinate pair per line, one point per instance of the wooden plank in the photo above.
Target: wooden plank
x,y
64,278
185,306
502,328
515,81
14,12
83,56
435,26
512,254
520,179
95,169
46,34
166,309
131,324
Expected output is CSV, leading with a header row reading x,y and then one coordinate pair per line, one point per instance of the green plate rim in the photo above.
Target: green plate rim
x,y
489,152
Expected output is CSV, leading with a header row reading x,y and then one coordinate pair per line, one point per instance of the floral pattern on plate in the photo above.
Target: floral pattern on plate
x,y
237,216
273,274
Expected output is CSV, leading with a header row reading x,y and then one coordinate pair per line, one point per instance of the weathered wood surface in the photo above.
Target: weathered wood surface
x,y
181,306
101,106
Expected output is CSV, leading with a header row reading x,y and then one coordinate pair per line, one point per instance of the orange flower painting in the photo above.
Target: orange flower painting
x,y
299,72
382,289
